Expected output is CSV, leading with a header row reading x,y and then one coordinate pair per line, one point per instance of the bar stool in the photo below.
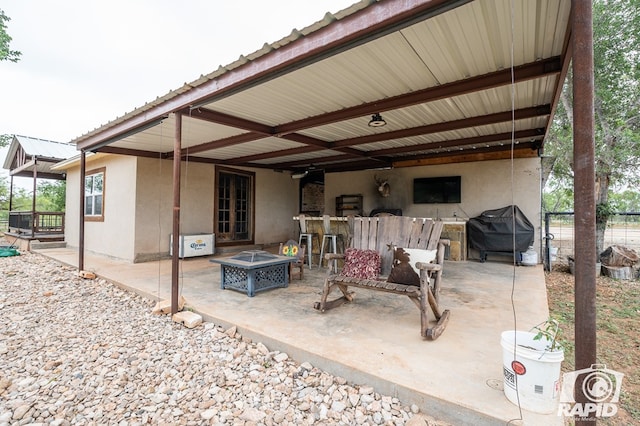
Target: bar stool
x,y
306,234
330,236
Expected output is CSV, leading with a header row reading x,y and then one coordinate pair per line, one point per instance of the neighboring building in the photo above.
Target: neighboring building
x,y
392,90
34,158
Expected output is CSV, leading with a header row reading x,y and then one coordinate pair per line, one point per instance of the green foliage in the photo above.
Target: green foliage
x,y
616,52
604,211
5,140
557,197
549,330
51,196
625,201
6,54
4,197
616,33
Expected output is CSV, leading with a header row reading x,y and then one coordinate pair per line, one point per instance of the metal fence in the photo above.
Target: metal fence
x,y
623,229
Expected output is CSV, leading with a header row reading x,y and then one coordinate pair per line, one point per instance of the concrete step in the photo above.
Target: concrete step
x,y
40,245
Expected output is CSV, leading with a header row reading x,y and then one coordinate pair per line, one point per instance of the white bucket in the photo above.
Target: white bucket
x,y
534,371
553,253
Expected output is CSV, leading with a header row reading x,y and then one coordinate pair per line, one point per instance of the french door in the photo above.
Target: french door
x,y
234,206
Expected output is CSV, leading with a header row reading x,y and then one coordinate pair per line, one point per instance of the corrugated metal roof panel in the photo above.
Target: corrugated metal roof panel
x,y
477,39
46,148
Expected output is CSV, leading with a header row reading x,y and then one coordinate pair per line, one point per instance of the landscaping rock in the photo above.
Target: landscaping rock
x,y
93,353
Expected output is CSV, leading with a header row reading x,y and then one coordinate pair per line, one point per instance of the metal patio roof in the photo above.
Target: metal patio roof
x,y
25,154
455,81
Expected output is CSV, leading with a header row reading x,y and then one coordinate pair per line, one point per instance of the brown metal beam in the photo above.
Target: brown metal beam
x,y
482,120
222,143
416,131
476,140
133,152
275,154
525,150
43,175
526,72
320,160
354,166
230,120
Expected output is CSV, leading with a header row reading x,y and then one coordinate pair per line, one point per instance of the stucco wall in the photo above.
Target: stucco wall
x,y
139,197
276,204
485,185
154,204
114,236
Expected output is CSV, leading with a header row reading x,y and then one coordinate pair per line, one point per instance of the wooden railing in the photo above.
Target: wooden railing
x,y
29,222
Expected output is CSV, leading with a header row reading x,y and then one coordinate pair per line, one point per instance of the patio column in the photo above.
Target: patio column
x,y
33,198
11,194
175,259
584,195
83,170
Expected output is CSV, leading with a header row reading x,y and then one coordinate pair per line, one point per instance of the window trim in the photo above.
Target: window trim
x,y
100,217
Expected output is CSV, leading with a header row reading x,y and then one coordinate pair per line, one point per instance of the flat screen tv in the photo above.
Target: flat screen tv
x,y
437,190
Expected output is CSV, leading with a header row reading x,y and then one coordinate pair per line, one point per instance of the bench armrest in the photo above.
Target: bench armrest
x,y
428,266
333,256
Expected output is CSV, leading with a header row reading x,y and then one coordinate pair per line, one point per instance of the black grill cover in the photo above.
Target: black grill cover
x,y
493,230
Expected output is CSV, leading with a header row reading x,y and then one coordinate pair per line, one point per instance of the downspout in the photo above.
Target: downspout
x,y
584,197
83,170
177,154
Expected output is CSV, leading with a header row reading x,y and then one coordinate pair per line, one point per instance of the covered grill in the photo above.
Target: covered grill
x,y
494,231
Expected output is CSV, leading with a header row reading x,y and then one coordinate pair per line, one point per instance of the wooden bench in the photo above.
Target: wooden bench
x,y
382,234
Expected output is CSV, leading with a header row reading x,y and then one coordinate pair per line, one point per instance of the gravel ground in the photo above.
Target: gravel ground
x,y
76,351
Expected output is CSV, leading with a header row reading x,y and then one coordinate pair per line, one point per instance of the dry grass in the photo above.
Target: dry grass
x,y
618,332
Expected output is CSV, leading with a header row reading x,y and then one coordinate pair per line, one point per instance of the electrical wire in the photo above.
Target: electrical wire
x,y
513,227
159,209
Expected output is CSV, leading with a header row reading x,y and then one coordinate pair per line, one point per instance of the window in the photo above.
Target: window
x,y
94,195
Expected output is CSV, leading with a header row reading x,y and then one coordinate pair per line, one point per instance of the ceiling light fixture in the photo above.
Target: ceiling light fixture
x,y
299,175
377,120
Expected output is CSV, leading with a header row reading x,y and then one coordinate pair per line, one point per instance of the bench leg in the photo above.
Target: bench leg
x,y
442,318
323,305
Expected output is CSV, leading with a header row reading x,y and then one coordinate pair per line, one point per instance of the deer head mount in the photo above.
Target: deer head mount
x,y
383,186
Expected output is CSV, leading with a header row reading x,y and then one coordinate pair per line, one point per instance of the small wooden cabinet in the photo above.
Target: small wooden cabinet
x,y
456,233
349,204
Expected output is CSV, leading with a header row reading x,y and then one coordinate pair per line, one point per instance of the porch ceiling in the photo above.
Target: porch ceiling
x,y
441,73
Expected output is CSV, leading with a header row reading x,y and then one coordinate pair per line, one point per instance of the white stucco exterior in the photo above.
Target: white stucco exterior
x,y
138,199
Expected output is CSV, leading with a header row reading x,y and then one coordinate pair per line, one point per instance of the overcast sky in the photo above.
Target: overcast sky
x,y
85,63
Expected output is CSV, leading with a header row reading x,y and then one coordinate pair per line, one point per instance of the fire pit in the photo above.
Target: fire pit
x,y
254,270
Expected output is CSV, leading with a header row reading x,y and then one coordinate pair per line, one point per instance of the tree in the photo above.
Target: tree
x,y
51,196
5,139
6,54
616,39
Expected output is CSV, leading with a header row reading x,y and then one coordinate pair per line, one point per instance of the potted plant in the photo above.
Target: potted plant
x,y
531,366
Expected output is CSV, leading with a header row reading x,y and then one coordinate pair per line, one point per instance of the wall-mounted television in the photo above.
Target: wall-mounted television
x,y
436,190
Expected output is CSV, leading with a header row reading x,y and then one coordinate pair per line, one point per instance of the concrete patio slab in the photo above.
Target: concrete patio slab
x,y
376,339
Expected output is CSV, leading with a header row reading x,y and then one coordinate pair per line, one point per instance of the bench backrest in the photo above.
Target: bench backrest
x,y
381,233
